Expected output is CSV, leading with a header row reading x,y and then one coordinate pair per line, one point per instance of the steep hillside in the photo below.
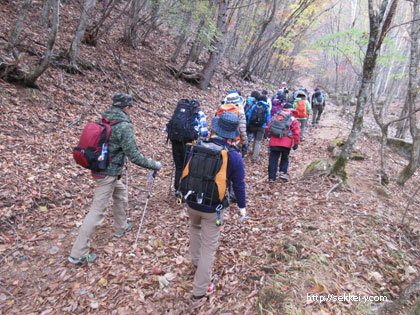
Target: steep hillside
x,y
307,236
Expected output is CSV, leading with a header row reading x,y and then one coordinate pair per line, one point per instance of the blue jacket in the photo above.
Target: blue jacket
x,y
267,113
235,174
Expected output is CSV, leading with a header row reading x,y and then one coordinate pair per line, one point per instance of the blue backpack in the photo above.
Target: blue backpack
x,y
249,102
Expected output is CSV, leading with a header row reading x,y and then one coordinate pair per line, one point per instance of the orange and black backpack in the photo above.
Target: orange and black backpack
x,y
233,109
301,109
203,179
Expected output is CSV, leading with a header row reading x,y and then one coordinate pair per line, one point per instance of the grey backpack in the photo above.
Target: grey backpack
x,y
280,125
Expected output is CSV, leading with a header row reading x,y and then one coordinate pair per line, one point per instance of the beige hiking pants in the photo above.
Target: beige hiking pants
x,y
105,188
204,241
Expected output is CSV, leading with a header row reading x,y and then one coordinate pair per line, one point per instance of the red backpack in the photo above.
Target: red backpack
x,y
301,109
92,150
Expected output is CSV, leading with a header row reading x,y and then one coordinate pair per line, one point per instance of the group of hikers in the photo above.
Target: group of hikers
x,y
209,165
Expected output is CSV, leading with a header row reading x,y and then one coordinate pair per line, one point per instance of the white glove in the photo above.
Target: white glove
x,y
242,213
158,166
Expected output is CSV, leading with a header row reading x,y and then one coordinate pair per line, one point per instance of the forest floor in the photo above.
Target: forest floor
x,y
306,236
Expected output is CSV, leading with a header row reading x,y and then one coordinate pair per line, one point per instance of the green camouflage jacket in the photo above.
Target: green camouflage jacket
x,y
122,143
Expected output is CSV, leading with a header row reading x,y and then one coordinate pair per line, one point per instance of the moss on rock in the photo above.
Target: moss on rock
x,y
318,166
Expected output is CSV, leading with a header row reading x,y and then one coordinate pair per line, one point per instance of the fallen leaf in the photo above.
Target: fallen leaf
x,y
163,282
156,271
102,282
94,304
376,275
170,276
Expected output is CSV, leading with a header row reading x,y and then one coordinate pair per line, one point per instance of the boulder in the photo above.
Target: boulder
x,y
318,167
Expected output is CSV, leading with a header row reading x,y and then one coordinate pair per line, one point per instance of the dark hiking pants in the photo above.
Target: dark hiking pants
x,y
178,153
273,161
316,113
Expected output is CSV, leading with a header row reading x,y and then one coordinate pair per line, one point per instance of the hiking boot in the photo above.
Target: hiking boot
x,y
271,180
127,229
284,176
88,259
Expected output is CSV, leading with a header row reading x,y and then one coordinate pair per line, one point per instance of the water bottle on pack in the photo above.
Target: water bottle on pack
x,y
103,158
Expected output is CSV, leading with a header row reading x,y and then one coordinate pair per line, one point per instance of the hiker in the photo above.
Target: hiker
x,y
205,206
276,107
303,109
121,143
265,93
318,105
283,89
251,100
257,118
234,98
188,123
283,130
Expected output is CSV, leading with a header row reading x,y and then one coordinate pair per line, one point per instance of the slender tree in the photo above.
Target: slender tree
x,y
81,27
31,77
218,43
19,25
379,24
413,92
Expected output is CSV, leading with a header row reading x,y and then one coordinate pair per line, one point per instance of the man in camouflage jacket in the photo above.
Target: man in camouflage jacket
x,y
121,143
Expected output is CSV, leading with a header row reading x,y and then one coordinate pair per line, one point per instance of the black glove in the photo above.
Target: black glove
x,y
295,146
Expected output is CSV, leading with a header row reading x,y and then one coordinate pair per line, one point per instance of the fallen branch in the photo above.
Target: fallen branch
x,y
8,292
334,187
75,122
128,87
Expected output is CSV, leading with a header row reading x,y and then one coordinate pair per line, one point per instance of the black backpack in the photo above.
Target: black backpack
x,y
182,125
318,98
258,115
203,179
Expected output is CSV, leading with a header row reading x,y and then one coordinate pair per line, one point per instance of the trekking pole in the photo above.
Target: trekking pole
x,y
152,176
172,175
126,191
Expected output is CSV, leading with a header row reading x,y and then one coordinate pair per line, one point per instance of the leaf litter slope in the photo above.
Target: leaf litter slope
x,y
295,240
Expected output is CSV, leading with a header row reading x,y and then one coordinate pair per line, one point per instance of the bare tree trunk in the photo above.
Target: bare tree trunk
x,y
213,61
182,37
378,28
81,27
246,73
19,25
132,26
413,86
30,79
44,19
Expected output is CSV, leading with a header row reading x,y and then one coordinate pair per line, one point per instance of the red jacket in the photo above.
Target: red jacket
x,y
286,141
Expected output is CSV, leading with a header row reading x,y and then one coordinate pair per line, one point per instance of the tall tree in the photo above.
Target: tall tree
x,y
379,24
218,43
19,25
81,27
31,77
413,92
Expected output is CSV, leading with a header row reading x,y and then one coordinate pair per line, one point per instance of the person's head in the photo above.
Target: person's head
x,y
234,98
123,101
226,126
235,91
255,94
276,102
264,92
262,98
288,106
283,84
317,89
301,95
